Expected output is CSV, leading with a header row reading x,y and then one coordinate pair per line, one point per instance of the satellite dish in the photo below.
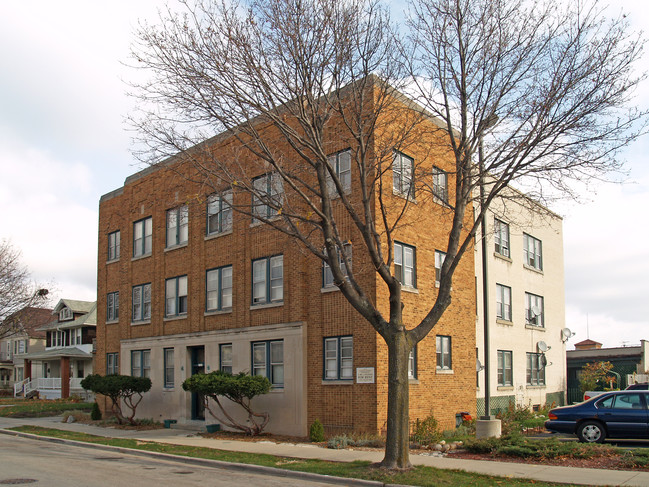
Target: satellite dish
x,y
536,311
566,334
542,346
478,365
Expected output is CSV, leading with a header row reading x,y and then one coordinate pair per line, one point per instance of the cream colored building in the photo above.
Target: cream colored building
x,y
526,306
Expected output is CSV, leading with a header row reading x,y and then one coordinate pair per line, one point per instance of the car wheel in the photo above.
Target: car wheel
x,y
591,432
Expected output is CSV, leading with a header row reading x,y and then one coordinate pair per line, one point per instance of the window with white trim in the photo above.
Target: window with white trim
x,y
534,310
142,237
65,314
440,184
341,166
140,363
268,361
177,226
532,252
141,309
505,370
268,280
176,296
444,352
440,257
113,245
169,370
412,363
219,213
402,170
267,196
535,369
75,336
327,275
225,357
503,302
112,363
338,358
218,290
112,306
501,237
405,264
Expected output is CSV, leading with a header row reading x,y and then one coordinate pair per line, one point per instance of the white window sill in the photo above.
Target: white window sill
x,y
337,382
329,289
167,389
505,388
138,323
503,257
534,387
140,257
175,318
500,321
405,196
216,312
112,322
533,269
176,247
444,371
266,305
534,327
212,236
410,289
413,381
112,261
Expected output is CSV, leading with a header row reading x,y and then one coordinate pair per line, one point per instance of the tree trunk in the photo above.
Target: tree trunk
x,y
397,455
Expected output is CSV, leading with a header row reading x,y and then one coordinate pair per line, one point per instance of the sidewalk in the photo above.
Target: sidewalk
x,y
180,436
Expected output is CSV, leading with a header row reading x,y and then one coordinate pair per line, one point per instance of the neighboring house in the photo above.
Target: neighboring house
x,y
626,361
67,358
23,337
186,285
526,306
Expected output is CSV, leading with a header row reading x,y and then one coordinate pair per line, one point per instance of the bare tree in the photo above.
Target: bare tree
x,y
17,291
285,70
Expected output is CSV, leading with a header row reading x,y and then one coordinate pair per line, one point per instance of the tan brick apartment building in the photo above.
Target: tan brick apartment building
x,y
202,288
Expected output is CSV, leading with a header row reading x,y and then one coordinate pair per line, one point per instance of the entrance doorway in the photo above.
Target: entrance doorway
x,y
197,356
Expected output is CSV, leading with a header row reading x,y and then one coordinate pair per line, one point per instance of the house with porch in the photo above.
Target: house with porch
x,y
57,371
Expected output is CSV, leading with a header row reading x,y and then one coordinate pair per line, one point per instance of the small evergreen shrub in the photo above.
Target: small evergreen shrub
x,y
426,432
95,414
316,432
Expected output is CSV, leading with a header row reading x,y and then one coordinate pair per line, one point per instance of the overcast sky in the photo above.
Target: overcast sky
x,y
63,144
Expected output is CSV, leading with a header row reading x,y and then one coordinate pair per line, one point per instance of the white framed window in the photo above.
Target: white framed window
x,y
405,264
219,213
114,245
65,314
21,346
532,252
267,196
177,226
141,363
225,357
218,290
142,237
75,336
501,237
503,302
176,296
112,306
327,275
440,257
268,361
534,310
268,280
412,363
535,369
505,370
112,363
338,358
341,166
444,352
141,302
440,184
402,171
169,369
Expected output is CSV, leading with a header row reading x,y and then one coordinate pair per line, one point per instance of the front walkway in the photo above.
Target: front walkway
x,y
179,436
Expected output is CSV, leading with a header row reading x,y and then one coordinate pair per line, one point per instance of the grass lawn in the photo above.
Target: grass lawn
x,y
35,408
421,476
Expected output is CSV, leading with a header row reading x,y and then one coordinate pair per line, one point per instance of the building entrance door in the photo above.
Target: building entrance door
x,y
197,355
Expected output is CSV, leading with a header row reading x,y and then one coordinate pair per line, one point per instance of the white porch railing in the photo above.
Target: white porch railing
x,y
18,387
24,387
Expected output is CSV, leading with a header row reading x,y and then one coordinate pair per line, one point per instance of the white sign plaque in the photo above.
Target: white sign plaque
x,y
365,375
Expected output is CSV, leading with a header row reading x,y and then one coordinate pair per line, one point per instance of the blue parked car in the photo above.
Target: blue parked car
x,y
615,414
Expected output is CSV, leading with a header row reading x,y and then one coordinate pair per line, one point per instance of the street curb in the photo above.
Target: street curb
x,y
204,462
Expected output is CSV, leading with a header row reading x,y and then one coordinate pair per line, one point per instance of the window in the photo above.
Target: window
x,y
219,213
268,280
225,357
338,358
142,237
626,401
412,363
176,296
268,360
535,369
75,336
501,237
113,245
267,196
443,344
65,314
169,367
327,275
404,265
504,368
503,302
440,184
218,284
532,254
141,302
112,306
177,226
341,166
21,346
141,363
534,314
439,262
112,363
402,169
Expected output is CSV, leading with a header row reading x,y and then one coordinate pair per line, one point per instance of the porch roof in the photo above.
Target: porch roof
x,y
71,352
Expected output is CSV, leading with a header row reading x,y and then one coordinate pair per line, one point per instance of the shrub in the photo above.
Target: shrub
x,y
316,432
426,431
340,442
119,388
95,414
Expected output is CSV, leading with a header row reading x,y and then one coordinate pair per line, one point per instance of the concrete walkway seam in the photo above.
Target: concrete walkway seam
x,y
205,462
